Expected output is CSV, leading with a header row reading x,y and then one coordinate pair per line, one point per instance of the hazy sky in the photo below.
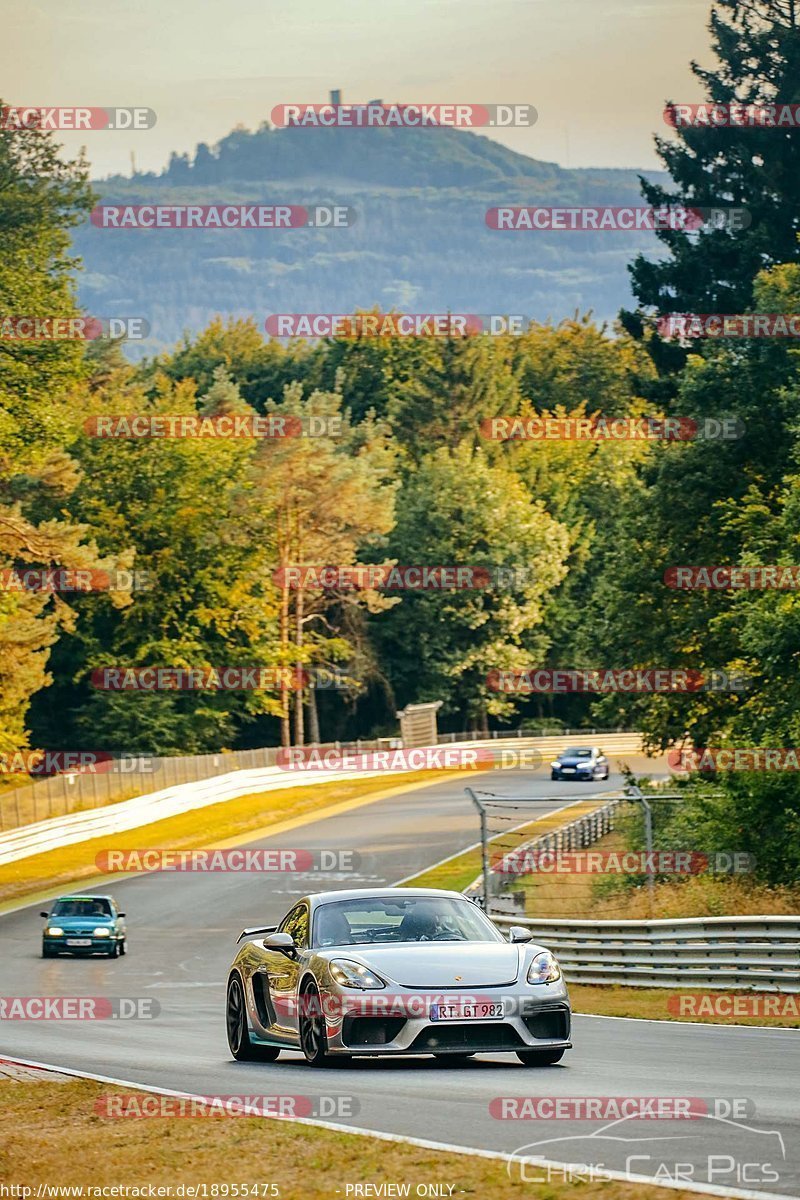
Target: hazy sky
x,y
598,71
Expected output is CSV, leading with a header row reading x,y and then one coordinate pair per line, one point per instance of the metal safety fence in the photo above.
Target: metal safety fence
x,y
758,953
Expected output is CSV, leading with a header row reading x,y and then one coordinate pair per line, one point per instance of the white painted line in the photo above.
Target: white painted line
x,y
695,1024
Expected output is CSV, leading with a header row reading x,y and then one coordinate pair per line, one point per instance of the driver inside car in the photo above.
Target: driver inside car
x,y
334,928
419,924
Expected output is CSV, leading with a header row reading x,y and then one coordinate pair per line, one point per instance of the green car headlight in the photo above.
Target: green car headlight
x,y
101,931
54,931
544,968
353,975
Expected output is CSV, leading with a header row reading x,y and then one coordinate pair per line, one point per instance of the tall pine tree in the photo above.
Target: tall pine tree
x,y
757,44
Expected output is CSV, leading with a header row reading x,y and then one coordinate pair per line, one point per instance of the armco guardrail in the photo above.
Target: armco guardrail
x,y
156,806
135,775
758,953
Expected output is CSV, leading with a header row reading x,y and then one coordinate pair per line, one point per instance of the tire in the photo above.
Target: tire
x,y
48,953
122,947
553,777
114,951
539,1058
313,1038
239,1042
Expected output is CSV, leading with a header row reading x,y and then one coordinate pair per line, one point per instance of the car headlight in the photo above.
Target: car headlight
x,y
353,975
555,764
544,968
54,931
101,931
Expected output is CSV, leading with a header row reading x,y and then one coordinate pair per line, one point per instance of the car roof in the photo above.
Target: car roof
x,y
396,893
86,896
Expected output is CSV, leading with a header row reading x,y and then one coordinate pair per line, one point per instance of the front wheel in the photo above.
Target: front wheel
x,y
553,777
539,1058
241,1047
313,1037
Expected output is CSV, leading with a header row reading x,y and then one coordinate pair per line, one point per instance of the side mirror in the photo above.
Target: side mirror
x,y
280,941
121,914
517,934
44,914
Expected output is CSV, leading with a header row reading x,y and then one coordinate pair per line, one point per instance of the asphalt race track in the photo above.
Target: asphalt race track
x,y
182,931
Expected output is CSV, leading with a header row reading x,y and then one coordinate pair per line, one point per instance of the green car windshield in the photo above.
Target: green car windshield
x,y
81,908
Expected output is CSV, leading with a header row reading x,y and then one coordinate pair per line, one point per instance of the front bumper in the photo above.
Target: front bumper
x,y
59,945
536,1017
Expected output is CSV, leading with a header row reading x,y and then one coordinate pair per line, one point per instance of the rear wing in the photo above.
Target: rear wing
x,y
255,932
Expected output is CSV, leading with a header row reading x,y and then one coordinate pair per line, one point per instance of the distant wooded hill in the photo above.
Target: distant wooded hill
x,y
420,242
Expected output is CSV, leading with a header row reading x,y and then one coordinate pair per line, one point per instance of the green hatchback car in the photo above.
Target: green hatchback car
x,y
84,925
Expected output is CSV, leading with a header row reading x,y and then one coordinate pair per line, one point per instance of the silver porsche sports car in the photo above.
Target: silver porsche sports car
x,y
394,971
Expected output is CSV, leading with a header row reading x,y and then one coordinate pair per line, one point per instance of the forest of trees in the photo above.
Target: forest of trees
x,y
408,476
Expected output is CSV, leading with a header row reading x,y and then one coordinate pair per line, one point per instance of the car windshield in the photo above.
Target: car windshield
x,y
577,752
81,908
418,919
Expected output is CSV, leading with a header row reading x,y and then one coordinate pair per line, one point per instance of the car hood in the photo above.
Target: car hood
x,y
73,923
441,964
575,762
